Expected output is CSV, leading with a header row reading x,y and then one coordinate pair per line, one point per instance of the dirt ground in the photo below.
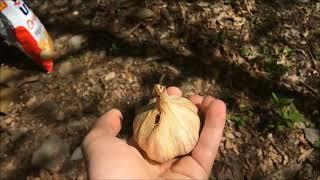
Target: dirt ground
x,y
112,52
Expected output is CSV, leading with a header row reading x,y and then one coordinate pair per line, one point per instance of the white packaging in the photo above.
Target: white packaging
x,y
22,28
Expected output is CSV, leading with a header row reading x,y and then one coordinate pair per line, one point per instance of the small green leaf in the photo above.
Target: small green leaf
x,y
275,97
286,111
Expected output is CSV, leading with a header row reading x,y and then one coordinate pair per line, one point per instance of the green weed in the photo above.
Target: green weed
x,y
272,60
272,67
317,145
248,53
114,47
240,117
286,111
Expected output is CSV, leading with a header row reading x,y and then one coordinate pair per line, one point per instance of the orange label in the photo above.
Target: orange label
x,y
3,5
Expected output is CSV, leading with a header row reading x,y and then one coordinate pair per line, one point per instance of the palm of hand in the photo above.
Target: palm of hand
x,y
110,157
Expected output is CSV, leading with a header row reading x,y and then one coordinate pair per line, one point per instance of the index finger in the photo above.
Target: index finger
x,y
207,147
172,90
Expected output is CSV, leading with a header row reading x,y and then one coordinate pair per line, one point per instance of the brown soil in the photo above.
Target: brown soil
x,y
218,48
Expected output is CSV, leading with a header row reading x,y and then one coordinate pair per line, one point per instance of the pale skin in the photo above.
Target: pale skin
x,y
108,157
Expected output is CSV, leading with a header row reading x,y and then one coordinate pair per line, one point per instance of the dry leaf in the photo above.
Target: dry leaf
x,y
305,155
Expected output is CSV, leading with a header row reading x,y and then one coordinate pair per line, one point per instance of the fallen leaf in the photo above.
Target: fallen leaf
x,y
305,155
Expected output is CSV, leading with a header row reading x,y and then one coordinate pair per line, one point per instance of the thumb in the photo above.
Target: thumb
x,y
110,122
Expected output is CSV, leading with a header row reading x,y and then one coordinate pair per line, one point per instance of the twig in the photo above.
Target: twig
x,y
276,148
313,59
162,78
310,88
132,30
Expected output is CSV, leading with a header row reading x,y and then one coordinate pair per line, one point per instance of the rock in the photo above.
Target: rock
x,y
77,125
289,172
312,135
77,154
10,77
60,2
76,43
109,76
143,13
166,15
307,172
31,101
8,121
270,137
60,116
49,110
76,2
67,68
5,141
51,154
31,79
17,134
8,97
75,13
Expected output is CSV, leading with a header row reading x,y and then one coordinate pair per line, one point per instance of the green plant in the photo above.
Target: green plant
x,y
286,112
245,52
114,47
271,65
240,117
273,68
284,51
317,145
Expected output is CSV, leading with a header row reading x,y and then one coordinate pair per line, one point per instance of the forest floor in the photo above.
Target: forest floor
x,y
112,52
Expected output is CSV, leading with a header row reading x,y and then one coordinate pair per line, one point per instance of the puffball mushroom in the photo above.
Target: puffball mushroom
x,y
167,128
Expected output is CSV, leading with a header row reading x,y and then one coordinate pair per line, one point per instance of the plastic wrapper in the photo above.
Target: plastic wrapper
x,y
20,27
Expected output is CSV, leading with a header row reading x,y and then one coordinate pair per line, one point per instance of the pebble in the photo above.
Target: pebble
x,y
60,116
68,67
76,2
8,121
312,135
51,153
60,2
65,68
143,13
50,111
110,76
17,134
76,43
77,125
270,137
31,101
75,13
166,15
77,154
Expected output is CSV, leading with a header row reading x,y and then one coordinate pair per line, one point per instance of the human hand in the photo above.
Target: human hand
x,y
108,157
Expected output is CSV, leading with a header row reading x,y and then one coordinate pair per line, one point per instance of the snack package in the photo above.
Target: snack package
x,y
19,26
